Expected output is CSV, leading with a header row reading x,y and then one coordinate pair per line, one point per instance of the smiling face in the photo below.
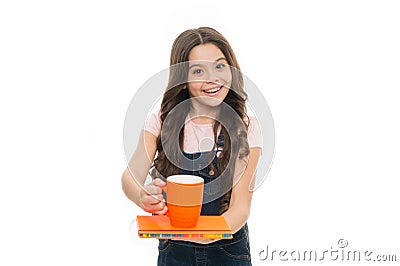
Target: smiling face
x,y
209,77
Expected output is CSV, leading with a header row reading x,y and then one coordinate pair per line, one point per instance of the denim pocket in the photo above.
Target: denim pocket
x,y
164,245
237,250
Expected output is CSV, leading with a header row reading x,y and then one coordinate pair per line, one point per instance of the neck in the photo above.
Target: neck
x,y
202,114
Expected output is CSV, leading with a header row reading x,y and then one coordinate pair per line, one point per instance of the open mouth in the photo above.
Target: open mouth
x,y
213,91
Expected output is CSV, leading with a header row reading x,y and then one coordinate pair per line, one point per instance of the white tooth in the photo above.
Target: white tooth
x,y
212,90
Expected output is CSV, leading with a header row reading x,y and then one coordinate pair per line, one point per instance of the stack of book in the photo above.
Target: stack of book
x,y
159,226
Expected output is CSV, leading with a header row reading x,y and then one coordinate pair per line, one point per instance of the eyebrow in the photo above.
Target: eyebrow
x,y
219,59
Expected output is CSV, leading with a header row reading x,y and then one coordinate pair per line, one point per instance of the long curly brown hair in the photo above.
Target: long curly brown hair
x,y
234,145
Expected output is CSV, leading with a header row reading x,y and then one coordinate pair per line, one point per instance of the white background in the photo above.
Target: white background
x,y
68,70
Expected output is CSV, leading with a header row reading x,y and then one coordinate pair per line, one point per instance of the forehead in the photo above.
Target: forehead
x,y
208,51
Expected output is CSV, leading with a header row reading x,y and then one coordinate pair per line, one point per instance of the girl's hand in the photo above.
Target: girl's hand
x,y
151,198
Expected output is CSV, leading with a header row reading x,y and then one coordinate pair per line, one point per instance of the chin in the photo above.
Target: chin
x,y
213,102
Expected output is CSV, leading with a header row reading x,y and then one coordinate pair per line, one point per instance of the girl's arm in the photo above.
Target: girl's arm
x,y
134,177
239,207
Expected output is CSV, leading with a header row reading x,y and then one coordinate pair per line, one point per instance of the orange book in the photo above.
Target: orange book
x,y
158,226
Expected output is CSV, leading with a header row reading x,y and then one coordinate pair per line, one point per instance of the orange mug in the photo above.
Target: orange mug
x,y
184,199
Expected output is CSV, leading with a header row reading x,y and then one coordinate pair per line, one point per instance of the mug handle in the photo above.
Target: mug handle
x,y
164,188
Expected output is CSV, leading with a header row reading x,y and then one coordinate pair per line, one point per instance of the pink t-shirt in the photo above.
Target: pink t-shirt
x,y
200,137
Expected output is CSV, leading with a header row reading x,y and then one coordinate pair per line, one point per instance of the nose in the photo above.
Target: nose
x,y
212,76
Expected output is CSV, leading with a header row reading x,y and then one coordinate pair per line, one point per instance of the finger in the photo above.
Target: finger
x,y
152,189
152,199
163,211
155,207
155,186
158,197
158,182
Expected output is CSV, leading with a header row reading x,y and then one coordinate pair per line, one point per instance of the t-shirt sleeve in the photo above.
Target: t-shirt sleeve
x,y
153,123
254,135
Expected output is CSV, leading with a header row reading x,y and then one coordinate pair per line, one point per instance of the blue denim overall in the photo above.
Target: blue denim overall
x,y
235,251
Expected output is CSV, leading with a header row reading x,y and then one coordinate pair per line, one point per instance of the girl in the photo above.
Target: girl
x,y
204,110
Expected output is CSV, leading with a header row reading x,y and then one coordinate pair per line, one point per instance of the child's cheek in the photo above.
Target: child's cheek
x,y
195,85
226,77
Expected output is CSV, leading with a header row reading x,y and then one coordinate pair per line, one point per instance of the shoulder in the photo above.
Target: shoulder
x,y
153,122
254,134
